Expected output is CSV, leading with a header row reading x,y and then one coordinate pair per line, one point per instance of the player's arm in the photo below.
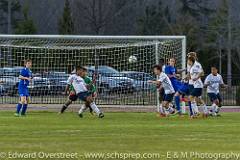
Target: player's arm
x,y
22,75
222,85
69,83
154,82
67,88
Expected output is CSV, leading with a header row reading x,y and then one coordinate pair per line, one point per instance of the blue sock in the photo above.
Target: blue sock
x,y
19,107
177,102
24,109
190,108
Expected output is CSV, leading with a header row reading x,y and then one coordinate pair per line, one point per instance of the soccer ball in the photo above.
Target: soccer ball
x,y
132,59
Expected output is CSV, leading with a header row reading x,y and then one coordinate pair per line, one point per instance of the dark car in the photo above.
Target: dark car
x,y
39,86
111,80
56,77
140,79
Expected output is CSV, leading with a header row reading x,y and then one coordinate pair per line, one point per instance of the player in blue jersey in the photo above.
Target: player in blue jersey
x,y
171,71
25,78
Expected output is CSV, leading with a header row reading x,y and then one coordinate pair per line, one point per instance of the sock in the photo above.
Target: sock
x,y
65,106
190,108
217,109
82,109
213,107
194,107
205,109
95,108
24,109
161,110
19,107
170,110
177,102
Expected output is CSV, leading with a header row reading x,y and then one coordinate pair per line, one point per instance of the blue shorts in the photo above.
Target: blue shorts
x,y
176,85
83,95
184,89
168,97
214,97
23,91
196,92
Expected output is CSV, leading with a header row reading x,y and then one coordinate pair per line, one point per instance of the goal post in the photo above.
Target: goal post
x,y
120,80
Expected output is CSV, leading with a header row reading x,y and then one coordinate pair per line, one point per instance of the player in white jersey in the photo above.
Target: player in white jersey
x,y
169,91
82,90
213,81
195,76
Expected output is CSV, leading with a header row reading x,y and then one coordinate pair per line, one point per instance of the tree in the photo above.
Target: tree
x,y
66,25
96,15
26,26
155,21
226,33
10,8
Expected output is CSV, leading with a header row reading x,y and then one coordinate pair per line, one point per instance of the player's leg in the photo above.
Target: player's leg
x,y
190,90
196,92
25,105
81,110
167,99
71,98
20,104
90,109
87,97
204,106
219,104
214,100
22,100
177,102
193,106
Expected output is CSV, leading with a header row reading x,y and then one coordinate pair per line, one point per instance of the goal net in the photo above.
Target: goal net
x,y
122,65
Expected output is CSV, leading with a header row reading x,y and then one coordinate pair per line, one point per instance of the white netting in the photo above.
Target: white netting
x,y
120,81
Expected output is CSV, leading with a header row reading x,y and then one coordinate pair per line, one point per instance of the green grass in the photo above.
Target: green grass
x,y
117,132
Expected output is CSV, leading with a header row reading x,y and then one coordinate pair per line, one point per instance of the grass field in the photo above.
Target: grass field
x,y
117,132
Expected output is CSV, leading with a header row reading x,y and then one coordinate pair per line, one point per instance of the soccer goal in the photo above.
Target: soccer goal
x,y
122,65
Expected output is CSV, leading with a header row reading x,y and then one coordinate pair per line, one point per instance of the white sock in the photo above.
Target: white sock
x,y
82,109
169,109
161,110
194,107
216,109
213,107
205,109
95,108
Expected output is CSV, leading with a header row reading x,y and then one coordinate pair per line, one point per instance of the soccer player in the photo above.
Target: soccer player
x,y
166,84
25,78
195,76
212,82
171,72
160,89
82,90
72,94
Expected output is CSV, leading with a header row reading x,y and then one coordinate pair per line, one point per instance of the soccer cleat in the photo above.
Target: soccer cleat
x,y
16,115
80,115
205,115
162,115
101,115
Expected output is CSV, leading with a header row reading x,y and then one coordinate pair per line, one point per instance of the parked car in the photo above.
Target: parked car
x,y
58,88
10,71
39,86
56,77
140,79
111,80
10,84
